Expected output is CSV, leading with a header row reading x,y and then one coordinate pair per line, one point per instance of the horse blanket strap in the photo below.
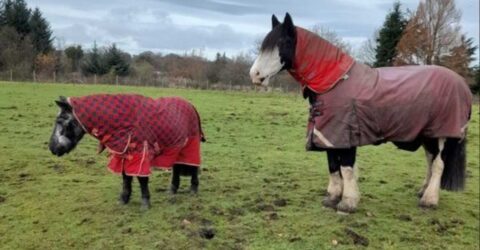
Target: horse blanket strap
x,y
140,132
318,65
396,104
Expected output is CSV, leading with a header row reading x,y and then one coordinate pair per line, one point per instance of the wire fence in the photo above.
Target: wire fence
x,y
151,81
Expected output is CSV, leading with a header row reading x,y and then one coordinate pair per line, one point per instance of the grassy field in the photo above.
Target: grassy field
x,y
259,189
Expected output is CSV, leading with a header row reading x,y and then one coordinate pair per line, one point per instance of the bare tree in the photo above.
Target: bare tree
x,y
332,37
432,32
366,53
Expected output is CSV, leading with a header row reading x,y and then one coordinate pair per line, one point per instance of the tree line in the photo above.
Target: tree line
x,y
431,34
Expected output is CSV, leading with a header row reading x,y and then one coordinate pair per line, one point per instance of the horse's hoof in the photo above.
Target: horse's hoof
x,y
346,207
427,205
194,190
330,203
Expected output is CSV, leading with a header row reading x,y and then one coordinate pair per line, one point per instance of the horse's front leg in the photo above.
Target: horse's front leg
x,y
350,194
126,189
335,183
145,192
432,191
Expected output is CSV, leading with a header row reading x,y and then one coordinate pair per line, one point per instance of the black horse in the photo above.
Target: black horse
x,y
68,132
354,105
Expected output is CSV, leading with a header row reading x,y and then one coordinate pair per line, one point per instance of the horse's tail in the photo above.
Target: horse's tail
x,y
454,157
202,135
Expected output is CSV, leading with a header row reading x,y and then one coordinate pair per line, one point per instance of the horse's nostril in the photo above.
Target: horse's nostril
x,y
262,79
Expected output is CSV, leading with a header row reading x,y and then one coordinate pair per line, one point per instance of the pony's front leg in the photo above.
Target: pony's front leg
x,y
351,194
194,181
175,178
335,183
126,189
145,192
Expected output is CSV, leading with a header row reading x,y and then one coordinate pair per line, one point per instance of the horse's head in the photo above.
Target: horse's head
x,y
276,53
67,131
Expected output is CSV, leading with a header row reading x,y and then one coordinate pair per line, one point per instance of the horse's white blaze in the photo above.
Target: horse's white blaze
x,y
267,64
430,196
351,194
335,185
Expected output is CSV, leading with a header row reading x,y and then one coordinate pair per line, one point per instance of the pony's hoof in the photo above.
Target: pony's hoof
x,y
329,202
124,199
194,190
173,190
146,204
346,207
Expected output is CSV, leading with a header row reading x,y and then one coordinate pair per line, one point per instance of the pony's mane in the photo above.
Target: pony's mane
x,y
271,39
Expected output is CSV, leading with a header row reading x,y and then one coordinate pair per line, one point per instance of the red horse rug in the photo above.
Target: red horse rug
x,y
355,105
140,132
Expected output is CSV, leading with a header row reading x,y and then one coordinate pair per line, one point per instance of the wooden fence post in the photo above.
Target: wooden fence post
x,y
95,79
34,76
54,76
11,75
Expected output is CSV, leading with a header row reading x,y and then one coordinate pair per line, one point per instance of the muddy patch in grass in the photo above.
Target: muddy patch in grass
x,y
265,207
280,202
357,238
404,217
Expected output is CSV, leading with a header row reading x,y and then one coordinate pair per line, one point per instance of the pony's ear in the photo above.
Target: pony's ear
x,y
63,103
288,25
275,22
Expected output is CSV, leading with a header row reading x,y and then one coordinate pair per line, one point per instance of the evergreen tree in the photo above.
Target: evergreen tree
x,y
117,61
17,15
40,33
94,63
75,54
389,35
5,12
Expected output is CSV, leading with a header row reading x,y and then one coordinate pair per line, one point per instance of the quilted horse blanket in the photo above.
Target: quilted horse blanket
x,y
354,105
140,132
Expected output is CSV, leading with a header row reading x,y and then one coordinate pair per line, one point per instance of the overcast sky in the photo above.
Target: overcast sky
x,y
229,26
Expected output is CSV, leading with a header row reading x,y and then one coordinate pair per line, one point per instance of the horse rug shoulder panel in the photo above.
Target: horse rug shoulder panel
x,y
141,132
390,104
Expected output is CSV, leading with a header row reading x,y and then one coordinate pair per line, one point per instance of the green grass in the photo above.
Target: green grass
x,y
254,156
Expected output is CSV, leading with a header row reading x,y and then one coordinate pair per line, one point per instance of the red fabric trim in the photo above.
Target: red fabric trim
x,y
318,65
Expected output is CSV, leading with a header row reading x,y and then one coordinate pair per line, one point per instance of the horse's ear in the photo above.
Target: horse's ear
x,y
275,22
288,25
63,103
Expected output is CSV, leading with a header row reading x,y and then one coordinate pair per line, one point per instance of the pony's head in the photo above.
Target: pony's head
x,y
67,131
277,51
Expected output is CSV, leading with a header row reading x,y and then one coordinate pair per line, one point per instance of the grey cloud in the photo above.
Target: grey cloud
x,y
231,25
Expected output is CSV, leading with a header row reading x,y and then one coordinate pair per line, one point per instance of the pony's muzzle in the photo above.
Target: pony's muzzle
x,y
57,148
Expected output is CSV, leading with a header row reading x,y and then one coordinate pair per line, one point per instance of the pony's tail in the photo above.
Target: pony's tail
x,y
202,135
454,158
